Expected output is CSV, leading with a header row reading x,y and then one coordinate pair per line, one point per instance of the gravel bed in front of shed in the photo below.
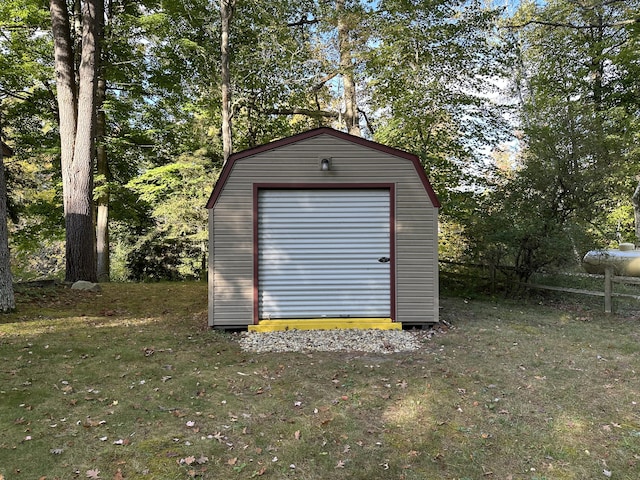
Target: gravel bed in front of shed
x,y
350,340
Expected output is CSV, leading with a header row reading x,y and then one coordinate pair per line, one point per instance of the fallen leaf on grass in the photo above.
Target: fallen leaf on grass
x,y
89,423
296,435
232,461
485,472
94,473
118,475
340,464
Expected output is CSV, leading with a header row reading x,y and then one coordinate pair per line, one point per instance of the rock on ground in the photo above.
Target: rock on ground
x,y
86,286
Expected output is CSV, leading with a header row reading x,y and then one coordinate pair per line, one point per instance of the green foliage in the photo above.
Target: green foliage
x,y
275,68
570,188
157,257
433,69
452,240
519,230
429,76
174,195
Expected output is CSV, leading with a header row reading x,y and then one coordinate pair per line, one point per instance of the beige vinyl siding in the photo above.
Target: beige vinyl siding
x,y
231,236
231,255
416,253
417,274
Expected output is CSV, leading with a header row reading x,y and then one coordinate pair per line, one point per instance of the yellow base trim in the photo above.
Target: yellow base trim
x,y
325,324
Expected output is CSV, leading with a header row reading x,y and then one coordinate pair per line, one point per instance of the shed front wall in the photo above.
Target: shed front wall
x,y
232,233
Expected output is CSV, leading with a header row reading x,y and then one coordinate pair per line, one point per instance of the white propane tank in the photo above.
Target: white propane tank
x,y
625,261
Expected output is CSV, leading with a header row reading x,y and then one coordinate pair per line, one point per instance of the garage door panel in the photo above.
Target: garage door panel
x,y
312,255
319,278
318,253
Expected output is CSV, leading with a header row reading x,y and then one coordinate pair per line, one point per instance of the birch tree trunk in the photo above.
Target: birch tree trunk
x,y
346,69
226,14
7,299
77,111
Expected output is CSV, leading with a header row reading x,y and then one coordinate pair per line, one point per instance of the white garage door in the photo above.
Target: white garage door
x,y
324,253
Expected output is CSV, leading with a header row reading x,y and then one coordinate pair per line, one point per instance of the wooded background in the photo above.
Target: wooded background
x,y
121,113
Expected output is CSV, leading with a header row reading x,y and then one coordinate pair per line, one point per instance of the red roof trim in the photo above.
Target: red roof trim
x,y
228,167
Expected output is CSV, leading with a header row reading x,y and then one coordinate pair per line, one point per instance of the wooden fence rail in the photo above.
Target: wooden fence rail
x,y
609,280
608,291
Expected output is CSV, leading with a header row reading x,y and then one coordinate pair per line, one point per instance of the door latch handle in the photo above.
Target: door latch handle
x,y
384,259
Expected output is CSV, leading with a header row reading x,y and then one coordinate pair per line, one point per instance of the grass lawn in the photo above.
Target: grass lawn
x,y
131,384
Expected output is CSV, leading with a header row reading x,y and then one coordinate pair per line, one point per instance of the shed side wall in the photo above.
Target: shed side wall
x,y
210,271
232,237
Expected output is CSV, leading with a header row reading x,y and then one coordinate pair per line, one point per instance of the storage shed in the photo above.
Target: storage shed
x,y
323,230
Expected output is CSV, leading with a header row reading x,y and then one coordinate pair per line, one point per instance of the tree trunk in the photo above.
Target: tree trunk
x,y
65,87
226,13
346,69
103,197
7,299
635,200
77,107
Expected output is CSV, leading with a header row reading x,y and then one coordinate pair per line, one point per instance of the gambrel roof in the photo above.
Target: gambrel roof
x,y
228,167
